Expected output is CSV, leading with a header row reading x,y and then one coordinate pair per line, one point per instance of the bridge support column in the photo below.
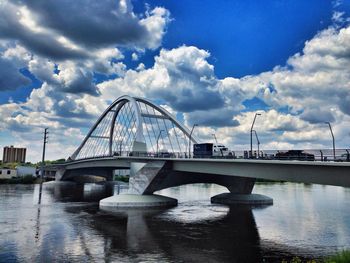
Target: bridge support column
x,y
59,174
240,194
142,177
241,199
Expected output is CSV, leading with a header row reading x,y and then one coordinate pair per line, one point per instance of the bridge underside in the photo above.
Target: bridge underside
x,y
237,185
147,178
160,175
155,176
238,176
86,175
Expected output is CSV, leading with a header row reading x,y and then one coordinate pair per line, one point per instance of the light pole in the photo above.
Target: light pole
x,y
330,127
257,139
215,138
160,133
120,147
251,135
189,142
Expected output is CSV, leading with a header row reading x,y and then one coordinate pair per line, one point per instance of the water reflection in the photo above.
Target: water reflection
x,y
37,225
153,233
196,232
72,192
309,221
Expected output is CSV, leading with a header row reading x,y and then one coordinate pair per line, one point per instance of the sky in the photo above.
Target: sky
x,y
213,63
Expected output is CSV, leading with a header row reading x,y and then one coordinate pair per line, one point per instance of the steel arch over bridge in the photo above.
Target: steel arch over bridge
x,y
134,124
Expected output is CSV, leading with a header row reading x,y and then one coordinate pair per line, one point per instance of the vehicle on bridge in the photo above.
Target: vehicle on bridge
x,y
164,154
210,150
345,157
299,155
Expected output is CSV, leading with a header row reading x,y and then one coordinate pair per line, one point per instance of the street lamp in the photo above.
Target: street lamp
x,y
257,139
160,133
330,127
251,135
189,143
120,147
215,138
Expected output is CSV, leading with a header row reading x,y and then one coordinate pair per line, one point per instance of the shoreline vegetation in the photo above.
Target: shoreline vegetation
x,y
27,179
340,257
258,180
29,164
122,178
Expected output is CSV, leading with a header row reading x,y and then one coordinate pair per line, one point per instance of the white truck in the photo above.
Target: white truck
x,y
209,150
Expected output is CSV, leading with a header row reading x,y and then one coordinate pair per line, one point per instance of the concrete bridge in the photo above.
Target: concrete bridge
x,y
134,133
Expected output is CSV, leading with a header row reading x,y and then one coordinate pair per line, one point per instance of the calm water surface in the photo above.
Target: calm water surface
x,y
310,221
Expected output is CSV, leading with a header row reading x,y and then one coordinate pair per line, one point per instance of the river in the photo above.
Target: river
x,y
309,221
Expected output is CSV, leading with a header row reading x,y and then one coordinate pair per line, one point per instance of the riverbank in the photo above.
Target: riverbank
x,y
28,179
340,257
259,180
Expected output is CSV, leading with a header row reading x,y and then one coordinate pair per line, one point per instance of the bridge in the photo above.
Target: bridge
x,y
135,134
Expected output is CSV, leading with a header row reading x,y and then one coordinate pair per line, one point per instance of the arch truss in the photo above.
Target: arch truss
x,y
129,121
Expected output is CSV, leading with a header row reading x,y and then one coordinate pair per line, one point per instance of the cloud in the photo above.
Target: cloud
x,y
223,117
134,57
66,30
78,38
74,79
18,23
12,59
317,115
320,75
311,88
182,77
10,76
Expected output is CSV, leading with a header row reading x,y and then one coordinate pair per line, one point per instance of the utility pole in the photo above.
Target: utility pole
x,y
42,164
330,127
251,136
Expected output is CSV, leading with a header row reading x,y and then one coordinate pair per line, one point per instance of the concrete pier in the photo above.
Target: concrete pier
x,y
242,199
136,201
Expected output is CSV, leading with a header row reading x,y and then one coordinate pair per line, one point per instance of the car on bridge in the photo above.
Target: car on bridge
x,y
164,154
299,155
345,157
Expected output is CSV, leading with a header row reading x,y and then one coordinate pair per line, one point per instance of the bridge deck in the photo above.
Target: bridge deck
x,y
327,173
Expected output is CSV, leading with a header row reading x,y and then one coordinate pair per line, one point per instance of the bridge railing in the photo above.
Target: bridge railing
x,y
341,155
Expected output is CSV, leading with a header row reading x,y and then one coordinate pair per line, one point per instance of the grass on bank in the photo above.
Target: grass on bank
x,y
340,257
122,178
27,179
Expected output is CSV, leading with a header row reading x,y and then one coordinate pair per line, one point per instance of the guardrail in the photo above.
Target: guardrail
x,y
324,155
